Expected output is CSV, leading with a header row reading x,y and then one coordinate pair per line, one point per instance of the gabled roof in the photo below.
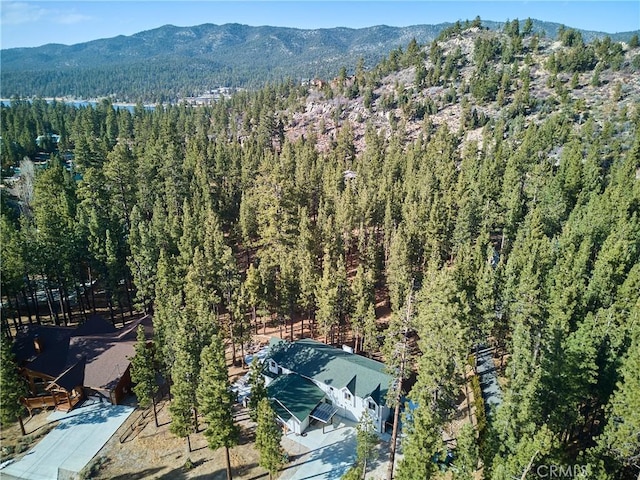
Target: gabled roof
x,y
296,395
280,411
107,359
53,360
70,378
49,335
103,351
323,363
107,354
95,325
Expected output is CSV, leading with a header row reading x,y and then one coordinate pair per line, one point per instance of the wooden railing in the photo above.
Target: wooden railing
x,y
57,401
141,421
39,402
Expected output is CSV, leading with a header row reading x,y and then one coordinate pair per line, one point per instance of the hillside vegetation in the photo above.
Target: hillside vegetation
x,y
482,189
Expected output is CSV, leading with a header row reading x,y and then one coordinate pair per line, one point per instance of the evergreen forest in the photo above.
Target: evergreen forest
x,y
480,191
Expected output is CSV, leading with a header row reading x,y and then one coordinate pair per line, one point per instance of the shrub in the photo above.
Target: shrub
x,y
481,415
92,468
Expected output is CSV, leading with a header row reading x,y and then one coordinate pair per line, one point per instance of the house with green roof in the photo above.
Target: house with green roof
x,y
309,380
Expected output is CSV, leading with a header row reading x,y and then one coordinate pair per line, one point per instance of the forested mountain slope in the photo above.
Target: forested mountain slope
x,y
170,62
481,189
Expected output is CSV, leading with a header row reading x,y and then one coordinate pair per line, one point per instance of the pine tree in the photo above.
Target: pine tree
x,y
438,321
268,436
12,386
258,389
143,260
119,171
13,261
184,375
215,399
366,439
252,293
423,440
344,299
54,210
620,438
167,307
143,372
327,298
363,320
289,288
467,453
398,269
201,299
531,448
306,259
398,359
486,294
443,343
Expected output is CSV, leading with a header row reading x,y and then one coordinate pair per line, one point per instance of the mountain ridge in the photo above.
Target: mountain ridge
x,y
174,61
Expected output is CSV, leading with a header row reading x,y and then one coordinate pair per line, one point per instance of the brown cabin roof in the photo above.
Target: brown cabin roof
x,y
106,359
70,378
95,325
96,350
107,354
49,335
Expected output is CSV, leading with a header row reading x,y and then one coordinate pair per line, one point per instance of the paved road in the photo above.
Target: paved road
x,y
71,445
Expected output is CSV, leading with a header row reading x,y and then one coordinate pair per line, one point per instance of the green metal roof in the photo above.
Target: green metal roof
x,y
332,366
280,411
297,395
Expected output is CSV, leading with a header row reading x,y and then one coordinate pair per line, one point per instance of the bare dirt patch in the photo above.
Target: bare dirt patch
x,y
14,445
154,452
140,450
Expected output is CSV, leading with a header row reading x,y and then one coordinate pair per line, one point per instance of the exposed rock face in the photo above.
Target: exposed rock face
x,y
328,107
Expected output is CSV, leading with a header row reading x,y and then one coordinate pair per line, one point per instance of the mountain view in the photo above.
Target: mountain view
x,y
170,63
382,253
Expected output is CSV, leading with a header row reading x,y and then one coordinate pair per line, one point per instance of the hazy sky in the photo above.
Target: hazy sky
x,y
29,24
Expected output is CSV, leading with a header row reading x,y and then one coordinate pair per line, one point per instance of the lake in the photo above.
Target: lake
x,y
83,103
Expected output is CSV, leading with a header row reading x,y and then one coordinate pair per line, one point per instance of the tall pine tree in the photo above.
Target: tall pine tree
x,y
268,436
215,400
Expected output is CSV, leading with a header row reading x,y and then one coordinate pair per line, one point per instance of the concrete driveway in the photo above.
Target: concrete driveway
x,y
318,455
64,451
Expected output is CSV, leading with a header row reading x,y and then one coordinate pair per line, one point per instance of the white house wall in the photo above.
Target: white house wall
x,y
351,410
304,425
296,426
293,425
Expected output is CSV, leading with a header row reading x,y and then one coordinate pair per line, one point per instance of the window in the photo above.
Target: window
x,y
371,405
347,396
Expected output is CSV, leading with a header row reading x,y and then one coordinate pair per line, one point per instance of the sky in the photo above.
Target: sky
x,y
30,23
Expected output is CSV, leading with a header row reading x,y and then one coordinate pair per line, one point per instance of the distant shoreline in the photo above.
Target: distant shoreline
x,y
76,100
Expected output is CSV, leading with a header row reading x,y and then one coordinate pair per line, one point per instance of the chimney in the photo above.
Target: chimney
x,y
347,349
38,344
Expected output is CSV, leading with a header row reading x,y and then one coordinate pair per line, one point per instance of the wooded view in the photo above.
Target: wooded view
x,y
479,191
